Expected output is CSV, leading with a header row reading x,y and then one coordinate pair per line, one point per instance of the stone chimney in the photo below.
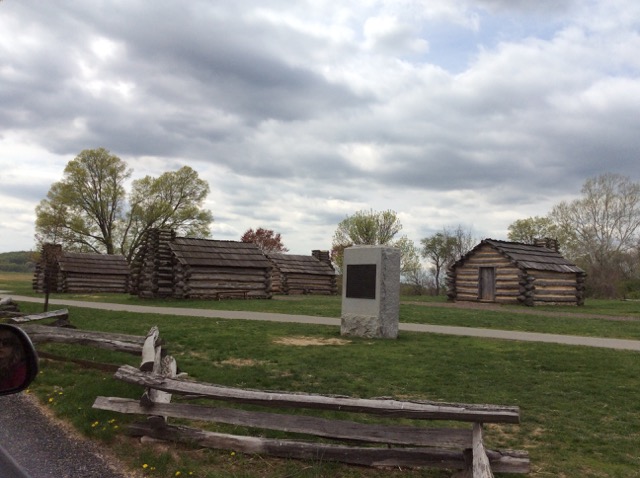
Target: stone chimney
x,y
323,256
547,242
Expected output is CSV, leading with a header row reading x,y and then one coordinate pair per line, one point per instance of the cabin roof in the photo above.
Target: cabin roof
x,y
528,256
91,263
300,264
208,252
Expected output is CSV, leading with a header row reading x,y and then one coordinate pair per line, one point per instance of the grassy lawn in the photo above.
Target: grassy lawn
x,y
579,407
414,309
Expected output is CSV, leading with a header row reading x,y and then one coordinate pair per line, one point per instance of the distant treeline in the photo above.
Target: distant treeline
x,y
21,261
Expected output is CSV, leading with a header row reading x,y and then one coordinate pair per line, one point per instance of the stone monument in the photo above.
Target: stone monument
x,y
371,292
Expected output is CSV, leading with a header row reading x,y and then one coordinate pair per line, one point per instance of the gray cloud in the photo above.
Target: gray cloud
x,y
300,114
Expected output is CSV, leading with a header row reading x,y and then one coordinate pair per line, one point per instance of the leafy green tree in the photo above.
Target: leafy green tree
x,y
409,256
537,227
88,211
366,228
439,249
173,200
82,210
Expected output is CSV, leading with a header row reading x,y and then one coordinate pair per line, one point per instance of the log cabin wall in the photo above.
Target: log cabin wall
x,y
515,273
278,281
299,274
555,288
152,267
47,269
93,273
507,277
213,282
308,284
217,269
84,272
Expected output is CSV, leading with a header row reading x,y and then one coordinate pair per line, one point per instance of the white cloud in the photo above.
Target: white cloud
x,y
298,114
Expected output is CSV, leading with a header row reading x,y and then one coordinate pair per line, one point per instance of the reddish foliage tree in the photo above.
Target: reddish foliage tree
x,y
265,239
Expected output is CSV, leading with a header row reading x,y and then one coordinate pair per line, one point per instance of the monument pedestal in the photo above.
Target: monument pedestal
x,y
371,292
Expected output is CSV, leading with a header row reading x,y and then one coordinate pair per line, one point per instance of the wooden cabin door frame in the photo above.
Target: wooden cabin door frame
x,y
487,284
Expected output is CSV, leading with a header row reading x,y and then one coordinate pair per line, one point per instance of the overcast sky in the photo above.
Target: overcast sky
x,y
299,113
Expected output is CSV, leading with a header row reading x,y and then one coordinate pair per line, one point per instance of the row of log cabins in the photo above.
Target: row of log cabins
x,y
179,267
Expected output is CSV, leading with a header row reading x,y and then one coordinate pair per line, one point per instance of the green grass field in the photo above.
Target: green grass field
x,y
579,407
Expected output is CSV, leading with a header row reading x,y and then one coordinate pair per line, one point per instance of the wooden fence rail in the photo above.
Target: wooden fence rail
x,y
352,442
357,443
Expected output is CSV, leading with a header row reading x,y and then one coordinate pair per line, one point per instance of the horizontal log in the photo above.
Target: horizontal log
x,y
54,314
554,300
105,367
421,410
229,271
555,292
224,286
333,429
515,462
564,281
4,313
217,277
119,342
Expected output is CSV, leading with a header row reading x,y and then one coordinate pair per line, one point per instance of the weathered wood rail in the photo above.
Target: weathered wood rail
x,y
351,442
61,316
368,444
8,308
61,331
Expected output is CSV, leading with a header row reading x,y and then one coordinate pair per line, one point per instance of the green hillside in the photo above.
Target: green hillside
x,y
21,261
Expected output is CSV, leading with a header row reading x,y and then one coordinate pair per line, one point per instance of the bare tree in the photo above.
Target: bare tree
x,y
603,228
445,247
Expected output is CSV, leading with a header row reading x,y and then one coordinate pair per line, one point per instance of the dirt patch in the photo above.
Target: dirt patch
x,y
302,341
237,362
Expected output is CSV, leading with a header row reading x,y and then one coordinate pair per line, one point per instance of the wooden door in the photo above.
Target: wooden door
x,y
487,284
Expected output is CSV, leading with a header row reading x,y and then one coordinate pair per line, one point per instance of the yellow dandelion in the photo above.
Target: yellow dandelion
x,y
50,399
145,466
178,473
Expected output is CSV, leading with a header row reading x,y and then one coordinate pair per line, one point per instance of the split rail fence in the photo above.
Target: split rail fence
x,y
342,440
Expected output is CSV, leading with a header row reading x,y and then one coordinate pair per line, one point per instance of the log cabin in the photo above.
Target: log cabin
x,y
515,273
300,274
75,272
181,267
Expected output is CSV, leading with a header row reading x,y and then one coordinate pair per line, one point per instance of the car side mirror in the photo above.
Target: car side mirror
x,y
18,360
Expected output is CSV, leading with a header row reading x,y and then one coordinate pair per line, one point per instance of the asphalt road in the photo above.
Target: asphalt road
x,y
44,449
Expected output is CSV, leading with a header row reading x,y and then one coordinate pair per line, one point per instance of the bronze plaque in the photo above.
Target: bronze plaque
x,y
361,281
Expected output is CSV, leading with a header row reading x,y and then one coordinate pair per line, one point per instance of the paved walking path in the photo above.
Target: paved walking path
x,y
619,344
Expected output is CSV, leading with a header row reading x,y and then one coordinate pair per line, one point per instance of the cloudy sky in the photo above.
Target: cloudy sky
x,y
449,112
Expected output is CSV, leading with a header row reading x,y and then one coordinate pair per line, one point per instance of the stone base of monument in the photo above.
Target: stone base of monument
x,y
368,327
371,292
